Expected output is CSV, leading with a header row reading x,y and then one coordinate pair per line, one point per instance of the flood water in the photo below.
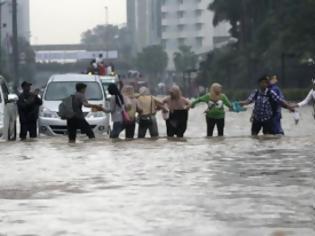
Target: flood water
x,y
232,186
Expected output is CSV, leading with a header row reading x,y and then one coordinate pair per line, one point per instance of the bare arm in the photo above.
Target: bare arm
x,y
245,103
160,105
286,105
306,101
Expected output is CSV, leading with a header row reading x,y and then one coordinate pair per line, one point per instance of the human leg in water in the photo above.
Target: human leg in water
x,y
118,127
220,126
277,127
210,126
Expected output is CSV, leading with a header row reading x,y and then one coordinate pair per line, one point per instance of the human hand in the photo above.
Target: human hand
x,y
291,108
37,92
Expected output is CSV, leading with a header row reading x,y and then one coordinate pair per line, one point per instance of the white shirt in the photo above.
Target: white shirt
x,y
310,98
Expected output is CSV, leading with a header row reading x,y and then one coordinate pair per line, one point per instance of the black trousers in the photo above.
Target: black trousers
x,y
211,123
130,130
266,126
176,125
74,124
150,125
29,127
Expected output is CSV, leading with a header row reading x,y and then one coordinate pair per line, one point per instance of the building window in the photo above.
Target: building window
x,y
181,27
181,41
180,14
199,42
164,42
164,28
164,15
198,12
199,26
180,1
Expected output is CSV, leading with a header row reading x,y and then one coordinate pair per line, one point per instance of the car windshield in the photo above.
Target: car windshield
x,y
57,91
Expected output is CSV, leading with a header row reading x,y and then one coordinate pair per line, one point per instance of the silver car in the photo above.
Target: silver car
x,y
62,86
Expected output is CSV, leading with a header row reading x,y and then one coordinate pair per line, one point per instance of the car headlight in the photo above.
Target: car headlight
x,y
96,115
46,113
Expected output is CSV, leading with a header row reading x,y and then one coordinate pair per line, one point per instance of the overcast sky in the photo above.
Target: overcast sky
x,y
63,21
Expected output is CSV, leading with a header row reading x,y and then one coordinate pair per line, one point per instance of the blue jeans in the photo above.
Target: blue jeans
x,y
118,127
276,124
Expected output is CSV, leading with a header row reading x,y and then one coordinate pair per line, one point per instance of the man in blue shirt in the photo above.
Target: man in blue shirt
x,y
273,85
266,105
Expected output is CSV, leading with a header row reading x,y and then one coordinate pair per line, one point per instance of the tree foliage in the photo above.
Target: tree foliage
x,y
185,59
109,37
265,30
152,60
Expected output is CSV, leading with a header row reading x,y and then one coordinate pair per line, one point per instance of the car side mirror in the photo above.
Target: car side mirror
x,y
12,98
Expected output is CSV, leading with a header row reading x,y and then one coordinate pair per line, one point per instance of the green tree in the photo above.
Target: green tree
x,y
109,37
265,30
185,59
152,60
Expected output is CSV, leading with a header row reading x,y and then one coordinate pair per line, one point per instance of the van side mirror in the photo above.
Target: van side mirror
x,y
12,98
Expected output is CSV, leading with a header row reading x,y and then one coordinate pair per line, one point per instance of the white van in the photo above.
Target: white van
x,y
8,112
62,86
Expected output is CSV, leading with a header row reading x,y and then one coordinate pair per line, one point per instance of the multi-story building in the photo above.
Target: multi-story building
x,y
23,12
144,22
189,22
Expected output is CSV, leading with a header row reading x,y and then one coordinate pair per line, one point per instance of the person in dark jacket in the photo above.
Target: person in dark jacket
x,y
28,107
273,85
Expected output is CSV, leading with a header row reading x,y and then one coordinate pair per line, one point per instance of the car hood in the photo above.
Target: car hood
x,y
54,105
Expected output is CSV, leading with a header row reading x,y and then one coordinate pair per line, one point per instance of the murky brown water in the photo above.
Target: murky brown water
x,y
205,187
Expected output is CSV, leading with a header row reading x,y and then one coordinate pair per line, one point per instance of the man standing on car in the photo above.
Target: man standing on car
x,y
79,121
28,108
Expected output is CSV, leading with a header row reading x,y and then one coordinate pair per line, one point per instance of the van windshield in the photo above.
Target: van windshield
x,y
57,91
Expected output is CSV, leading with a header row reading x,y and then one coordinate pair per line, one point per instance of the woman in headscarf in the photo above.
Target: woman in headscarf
x,y
178,107
132,108
117,106
147,119
215,114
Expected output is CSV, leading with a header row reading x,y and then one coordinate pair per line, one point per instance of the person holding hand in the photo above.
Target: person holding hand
x,y
28,108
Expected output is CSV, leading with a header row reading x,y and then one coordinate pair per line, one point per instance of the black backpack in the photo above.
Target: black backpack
x,y
66,110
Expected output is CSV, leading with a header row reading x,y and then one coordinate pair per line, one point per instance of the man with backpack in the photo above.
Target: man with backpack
x,y
28,108
71,110
266,105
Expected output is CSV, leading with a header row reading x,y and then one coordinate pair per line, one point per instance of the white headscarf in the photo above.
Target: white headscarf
x,y
144,91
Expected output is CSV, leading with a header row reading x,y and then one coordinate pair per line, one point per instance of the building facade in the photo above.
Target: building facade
x,y
144,22
190,23
6,21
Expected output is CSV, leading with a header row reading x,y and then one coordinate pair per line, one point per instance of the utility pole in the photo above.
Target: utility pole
x,y
106,31
1,4
15,46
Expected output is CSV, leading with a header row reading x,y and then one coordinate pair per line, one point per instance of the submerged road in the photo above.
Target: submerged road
x,y
235,185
